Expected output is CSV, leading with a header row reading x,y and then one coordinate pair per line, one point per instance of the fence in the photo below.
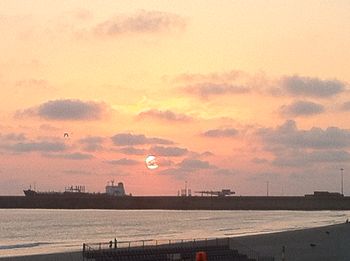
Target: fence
x,y
169,246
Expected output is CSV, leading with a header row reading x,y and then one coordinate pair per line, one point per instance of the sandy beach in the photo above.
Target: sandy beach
x,y
323,243
331,243
70,256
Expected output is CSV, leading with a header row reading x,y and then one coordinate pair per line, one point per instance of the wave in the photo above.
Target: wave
x,y
24,245
228,229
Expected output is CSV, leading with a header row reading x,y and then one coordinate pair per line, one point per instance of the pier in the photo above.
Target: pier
x,y
219,249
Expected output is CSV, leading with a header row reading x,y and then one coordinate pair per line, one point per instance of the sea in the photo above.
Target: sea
x,y
42,231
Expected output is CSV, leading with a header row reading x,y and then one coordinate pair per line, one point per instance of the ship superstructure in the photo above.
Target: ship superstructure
x,y
113,190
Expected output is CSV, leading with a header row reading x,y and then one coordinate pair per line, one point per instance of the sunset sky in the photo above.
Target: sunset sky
x,y
226,94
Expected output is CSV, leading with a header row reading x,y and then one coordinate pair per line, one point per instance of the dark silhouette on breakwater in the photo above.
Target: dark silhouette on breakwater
x,y
316,201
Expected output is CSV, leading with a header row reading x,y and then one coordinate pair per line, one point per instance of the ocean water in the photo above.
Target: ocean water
x,y
37,231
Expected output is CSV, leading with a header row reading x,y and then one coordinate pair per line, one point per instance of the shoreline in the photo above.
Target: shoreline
x,y
320,243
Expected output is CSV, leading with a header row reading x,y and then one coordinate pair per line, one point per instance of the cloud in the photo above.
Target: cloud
x,y
215,133
67,110
18,143
48,127
162,162
13,137
188,166
128,139
195,164
92,143
299,158
81,14
207,154
41,146
70,156
226,172
77,172
132,151
224,77
205,90
288,136
32,83
265,176
311,87
168,151
259,160
164,115
123,161
346,106
302,108
146,22
296,148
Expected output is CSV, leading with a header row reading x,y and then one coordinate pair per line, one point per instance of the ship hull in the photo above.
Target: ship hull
x,y
176,203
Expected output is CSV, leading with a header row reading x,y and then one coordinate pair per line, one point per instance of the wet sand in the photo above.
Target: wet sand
x,y
331,243
70,256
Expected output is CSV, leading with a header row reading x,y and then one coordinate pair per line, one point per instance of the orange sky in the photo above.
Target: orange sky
x,y
225,96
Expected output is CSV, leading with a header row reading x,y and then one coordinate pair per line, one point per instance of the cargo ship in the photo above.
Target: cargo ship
x,y
79,191
114,197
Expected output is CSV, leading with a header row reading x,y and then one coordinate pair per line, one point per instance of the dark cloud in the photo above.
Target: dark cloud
x,y
67,110
12,137
288,136
48,127
168,151
123,161
297,158
265,176
259,160
346,106
162,162
207,154
302,108
145,22
165,115
18,143
132,151
70,156
226,172
92,143
205,90
312,87
215,133
128,139
40,146
77,172
195,164
189,166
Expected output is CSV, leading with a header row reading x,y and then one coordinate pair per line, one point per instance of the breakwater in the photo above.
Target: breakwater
x,y
178,203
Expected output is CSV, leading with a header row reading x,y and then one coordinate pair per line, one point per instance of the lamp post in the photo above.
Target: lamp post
x,y
267,188
342,180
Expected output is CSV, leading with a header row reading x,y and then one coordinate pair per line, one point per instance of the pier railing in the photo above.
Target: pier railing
x,y
99,249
